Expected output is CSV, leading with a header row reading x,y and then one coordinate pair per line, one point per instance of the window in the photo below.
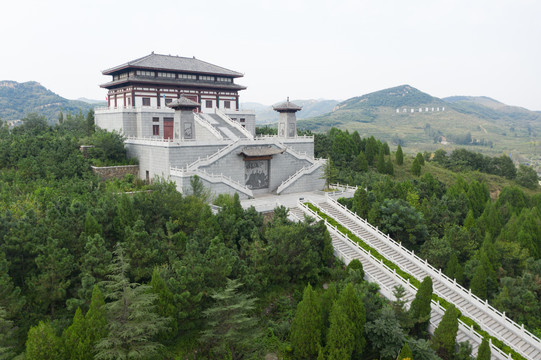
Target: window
x,y
224,79
167,101
208,103
155,119
144,73
166,74
242,119
187,76
146,101
156,130
206,78
227,104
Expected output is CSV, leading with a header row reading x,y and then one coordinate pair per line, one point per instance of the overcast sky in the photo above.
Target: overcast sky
x,y
302,49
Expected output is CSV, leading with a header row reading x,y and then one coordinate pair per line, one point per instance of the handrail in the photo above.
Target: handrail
x,y
452,284
212,157
381,265
208,126
211,177
228,120
302,171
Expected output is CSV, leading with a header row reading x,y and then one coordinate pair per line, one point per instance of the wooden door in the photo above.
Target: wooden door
x,y
168,128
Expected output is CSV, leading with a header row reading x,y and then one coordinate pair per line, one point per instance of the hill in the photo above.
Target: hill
x,y
19,99
310,108
421,122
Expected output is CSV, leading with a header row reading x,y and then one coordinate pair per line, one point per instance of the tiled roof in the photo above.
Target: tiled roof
x,y
183,102
260,151
174,63
174,82
287,106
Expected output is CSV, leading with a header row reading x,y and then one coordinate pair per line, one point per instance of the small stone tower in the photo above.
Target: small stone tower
x,y
287,121
184,122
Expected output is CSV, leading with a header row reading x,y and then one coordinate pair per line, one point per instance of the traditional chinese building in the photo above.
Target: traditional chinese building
x,y
181,118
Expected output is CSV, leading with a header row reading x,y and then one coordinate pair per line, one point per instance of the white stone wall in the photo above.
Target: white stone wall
x,y
309,182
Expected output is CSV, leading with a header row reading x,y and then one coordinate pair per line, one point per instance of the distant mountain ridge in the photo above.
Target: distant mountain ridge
x,y
422,122
18,99
310,108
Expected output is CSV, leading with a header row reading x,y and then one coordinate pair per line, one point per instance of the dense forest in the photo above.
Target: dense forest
x,y
488,241
93,269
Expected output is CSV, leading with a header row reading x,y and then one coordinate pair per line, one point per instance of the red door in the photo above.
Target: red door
x,y
168,128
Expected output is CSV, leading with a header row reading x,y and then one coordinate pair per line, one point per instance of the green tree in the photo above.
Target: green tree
x,y
42,343
380,164
329,173
420,158
165,304
527,177
74,338
89,122
306,326
132,320
360,163
6,336
340,338
444,339
416,167
399,155
478,283
405,353
420,307
353,308
230,328
389,168
483,353
385,335
360,204
95,321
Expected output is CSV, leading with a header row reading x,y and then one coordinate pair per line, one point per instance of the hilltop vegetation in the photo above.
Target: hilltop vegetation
x,y
19,99
479,123
483,230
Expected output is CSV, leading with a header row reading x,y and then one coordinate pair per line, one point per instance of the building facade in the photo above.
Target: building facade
x,y
181,118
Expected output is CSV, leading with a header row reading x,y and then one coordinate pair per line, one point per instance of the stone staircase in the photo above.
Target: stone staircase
x,y
491,321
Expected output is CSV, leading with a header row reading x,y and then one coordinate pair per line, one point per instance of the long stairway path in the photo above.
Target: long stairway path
x,y
387,279
490,320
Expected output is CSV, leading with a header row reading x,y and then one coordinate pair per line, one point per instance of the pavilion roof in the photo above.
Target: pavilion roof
x,y
174,63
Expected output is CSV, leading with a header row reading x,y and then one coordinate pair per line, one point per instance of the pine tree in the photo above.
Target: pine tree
x,y
340,338
380,164
42,343
483,353
420,158
132,320
360,164
6,336
420,307
478,284
329,173
405,353
389,168
305,332
95,320
399,155
327,300
444,339
165,306
416,167
353,308
230,328
74,338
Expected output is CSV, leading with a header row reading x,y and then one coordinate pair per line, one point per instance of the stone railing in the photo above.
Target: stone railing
x,y
235,124
438,275
212,157
203,122
301,172
212,178
496,352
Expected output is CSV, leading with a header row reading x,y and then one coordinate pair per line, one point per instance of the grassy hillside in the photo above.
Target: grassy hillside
x,y
19,99
477,123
